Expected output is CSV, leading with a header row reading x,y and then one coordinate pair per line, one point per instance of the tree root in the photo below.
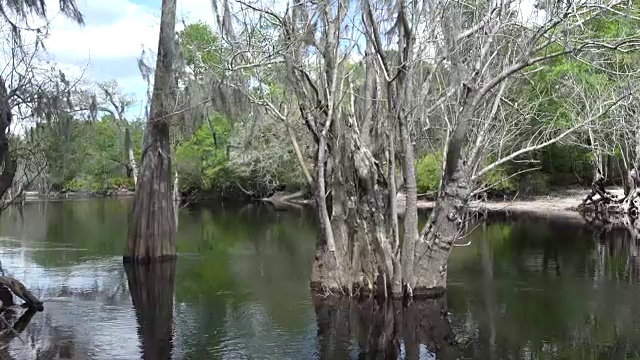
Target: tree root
x,y
604,203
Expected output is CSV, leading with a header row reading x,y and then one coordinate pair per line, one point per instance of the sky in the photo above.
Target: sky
x,y
115,32
112,39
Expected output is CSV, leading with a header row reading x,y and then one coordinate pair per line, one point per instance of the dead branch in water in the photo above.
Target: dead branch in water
x,y
20,291
294,200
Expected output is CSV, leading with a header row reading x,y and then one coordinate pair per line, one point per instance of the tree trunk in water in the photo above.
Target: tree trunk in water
x,y
20,291
361,260
152,224
152,287
442,230
131,157
447,219
396,279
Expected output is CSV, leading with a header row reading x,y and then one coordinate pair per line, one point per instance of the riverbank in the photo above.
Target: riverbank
x,y
557,204
30,196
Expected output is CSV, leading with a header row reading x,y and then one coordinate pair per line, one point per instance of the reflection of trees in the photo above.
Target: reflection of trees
x,y
617,242
151,289
41,340
247,273
91,225
384,330
547,290
8,334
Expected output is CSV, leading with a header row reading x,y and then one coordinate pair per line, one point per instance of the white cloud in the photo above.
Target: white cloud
x,y
115,33
135,26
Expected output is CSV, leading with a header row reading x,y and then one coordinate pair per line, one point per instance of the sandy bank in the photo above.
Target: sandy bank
x,y
556,204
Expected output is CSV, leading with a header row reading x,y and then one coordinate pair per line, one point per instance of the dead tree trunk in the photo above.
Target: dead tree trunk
x,y
128,145
299,156
357,252
152,225
447,219
20,291
176,188
442,229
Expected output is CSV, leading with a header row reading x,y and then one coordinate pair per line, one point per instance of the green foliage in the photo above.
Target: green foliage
x,y
428,172
501,181
201,48
567,165
84,156
202,161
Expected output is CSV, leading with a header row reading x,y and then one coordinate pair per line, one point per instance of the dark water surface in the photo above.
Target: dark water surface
x,y
530,289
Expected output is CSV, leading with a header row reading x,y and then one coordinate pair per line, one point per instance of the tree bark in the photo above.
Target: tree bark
x,y
411,206
396,280
361,261
446,221
441,231
400,103
152,226
357,254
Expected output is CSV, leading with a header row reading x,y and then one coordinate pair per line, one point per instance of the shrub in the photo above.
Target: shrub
x,y
78,184
499,180
120,183
428,172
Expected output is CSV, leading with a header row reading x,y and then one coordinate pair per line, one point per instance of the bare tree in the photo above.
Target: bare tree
x,y
447,69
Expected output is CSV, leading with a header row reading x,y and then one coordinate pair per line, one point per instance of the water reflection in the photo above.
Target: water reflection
x,y
524,288
10,332
533,288
151,289
384,330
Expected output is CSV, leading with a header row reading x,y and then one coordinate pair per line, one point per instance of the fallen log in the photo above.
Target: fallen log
x,y
283,200
17,288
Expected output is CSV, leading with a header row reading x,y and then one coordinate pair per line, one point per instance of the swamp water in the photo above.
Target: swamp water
x,y
523,288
